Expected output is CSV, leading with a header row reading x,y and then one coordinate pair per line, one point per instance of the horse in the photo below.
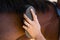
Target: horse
x,y
11,24
49,21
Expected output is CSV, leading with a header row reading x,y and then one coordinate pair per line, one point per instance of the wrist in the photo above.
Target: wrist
x,y
32,39
40,37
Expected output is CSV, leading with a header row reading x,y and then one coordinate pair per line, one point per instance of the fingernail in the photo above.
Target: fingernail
x,y
31,9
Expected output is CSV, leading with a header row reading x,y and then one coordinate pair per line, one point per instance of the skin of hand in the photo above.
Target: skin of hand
x,y
33,27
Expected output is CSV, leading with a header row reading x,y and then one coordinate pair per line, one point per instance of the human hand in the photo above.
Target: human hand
x,y
32,27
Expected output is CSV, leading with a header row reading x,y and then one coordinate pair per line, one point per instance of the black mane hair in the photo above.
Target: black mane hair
x,y
16,5
10,5
38,4
42,5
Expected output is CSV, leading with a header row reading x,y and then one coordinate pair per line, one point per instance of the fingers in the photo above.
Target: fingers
x,y
27,24
34,15
27,19
25,28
